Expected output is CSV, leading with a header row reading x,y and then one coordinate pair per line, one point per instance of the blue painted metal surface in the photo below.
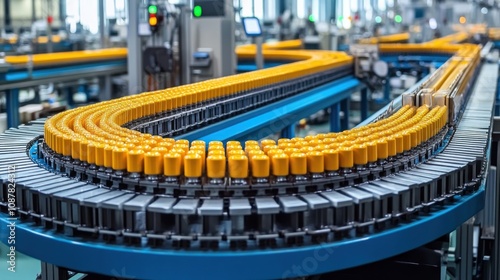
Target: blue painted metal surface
x,y
421,58
247,67
146,263
270,119
364,104
335,117
288,132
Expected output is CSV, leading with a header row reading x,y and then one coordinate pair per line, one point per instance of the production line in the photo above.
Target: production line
x,y
121,171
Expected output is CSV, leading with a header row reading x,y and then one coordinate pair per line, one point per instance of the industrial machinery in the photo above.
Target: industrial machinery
x,y
218,44
125,181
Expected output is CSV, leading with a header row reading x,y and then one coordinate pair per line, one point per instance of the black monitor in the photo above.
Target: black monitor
x,y
252,27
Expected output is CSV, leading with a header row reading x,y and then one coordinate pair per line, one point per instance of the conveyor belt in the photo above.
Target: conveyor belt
x,y
107,182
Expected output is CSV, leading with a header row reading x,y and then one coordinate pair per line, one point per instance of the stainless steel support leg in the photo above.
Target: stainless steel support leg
x,y
52,272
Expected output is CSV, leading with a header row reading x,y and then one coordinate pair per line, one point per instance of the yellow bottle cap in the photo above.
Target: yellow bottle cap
x,y
182,141
315,162
250,147
283,140
119,158
216,147
91,150
236,152
181,146
216,152
192,165
165,144
346,157
252,153
66,146
179,151
406,141
328,141
75,148
413,138
321,136
274,152
148,142
198,143
233,143
321,147
238,166
216,166
159,149
382,149
360,153
170,140
334,146
290,151
215,143
309,137
233,147
286,145
301,144
260,166
251,143
371,148
267,148
331,159
280,165
99,154
314,142
135,161
306,149
172,164
153,163
144,148
298,163
266,142
83,149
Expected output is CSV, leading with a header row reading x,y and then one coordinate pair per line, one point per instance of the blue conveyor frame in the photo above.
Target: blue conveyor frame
x,y
146,263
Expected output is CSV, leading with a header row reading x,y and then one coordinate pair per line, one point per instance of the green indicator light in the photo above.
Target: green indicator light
x,y
311,18
378,19
398,19
197,11
152,9
341,18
